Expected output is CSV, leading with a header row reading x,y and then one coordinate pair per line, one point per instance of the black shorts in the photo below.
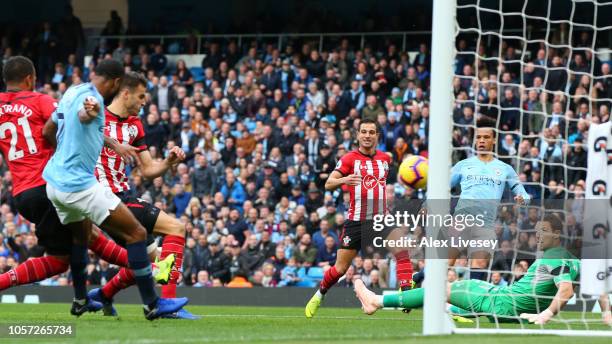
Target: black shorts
x,y
360,235
145,212
34,205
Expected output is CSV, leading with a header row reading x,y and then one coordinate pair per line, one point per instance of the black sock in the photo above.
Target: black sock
x,y
78,266
139,263
418,277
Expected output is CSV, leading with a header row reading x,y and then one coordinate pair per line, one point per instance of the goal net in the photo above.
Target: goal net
x,y
538,73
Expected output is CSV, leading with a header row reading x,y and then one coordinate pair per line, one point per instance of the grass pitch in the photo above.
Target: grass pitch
x,y
260,325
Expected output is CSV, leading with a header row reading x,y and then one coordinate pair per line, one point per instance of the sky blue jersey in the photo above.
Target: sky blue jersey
x,y
71,169
485,182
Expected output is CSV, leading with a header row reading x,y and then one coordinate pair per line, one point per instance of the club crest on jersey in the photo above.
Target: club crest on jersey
x,y
346,240
132,130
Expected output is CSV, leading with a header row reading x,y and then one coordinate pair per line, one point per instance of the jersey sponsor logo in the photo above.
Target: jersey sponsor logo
x,y
107,151
487,180
369,182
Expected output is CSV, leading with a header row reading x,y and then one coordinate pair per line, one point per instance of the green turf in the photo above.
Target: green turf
x,y
255,325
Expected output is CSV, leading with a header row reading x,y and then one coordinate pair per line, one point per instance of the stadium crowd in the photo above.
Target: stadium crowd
x,y
263,129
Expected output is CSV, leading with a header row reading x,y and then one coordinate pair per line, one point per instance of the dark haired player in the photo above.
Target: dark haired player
x,y
365,172
78,197
124,138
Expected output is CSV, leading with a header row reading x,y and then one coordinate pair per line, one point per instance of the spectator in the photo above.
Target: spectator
x,y
326,255
159,61
304,253
203,280
218,264
181,199
319,238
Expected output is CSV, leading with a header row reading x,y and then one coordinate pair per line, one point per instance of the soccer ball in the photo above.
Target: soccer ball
x,y
413,172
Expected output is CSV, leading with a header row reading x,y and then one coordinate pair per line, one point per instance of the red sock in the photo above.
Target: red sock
x,y
173,244
404,269
122,280
32,270
109,251
330,278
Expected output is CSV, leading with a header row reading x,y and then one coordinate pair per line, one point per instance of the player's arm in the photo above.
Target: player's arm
x,y
455,175
336,180
151,169
342,175
90,110
564,274
50,131
520,195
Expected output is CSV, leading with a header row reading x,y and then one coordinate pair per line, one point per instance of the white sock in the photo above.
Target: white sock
x,y
379,300
318,294
80,302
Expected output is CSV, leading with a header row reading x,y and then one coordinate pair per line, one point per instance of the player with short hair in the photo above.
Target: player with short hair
x,y
124,141
23,114
78,197
537,297
483,179
364,172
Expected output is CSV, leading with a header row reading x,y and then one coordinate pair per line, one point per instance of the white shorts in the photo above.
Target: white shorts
x,y
94,203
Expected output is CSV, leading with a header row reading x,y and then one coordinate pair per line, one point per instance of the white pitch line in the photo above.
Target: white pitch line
x,y
302,317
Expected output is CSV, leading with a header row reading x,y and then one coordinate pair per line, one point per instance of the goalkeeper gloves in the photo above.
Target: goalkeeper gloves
x,y
540,318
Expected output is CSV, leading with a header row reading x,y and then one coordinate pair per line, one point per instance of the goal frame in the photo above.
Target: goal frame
x,y
436,320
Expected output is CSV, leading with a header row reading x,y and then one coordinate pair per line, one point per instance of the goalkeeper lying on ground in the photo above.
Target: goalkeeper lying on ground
x,y
536,297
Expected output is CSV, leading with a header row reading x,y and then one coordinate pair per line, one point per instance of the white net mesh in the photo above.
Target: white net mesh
x,y
538,72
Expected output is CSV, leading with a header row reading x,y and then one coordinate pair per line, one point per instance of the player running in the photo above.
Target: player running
x,y
124,140
78,197
483,179
537,297
365,172
23,114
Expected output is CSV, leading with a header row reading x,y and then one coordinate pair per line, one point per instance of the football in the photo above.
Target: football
x,y
413,172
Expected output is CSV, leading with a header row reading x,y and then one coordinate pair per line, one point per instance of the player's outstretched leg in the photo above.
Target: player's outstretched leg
x,y
34,270
173,244
331,277
121,222
124,279
371,302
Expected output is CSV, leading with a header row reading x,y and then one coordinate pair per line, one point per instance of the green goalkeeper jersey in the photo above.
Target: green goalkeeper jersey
x,y
534,292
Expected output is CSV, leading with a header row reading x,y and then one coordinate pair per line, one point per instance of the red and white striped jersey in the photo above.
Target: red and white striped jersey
x,y
367,198
110,168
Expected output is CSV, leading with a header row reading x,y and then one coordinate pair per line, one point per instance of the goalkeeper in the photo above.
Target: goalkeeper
x,y
537,297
